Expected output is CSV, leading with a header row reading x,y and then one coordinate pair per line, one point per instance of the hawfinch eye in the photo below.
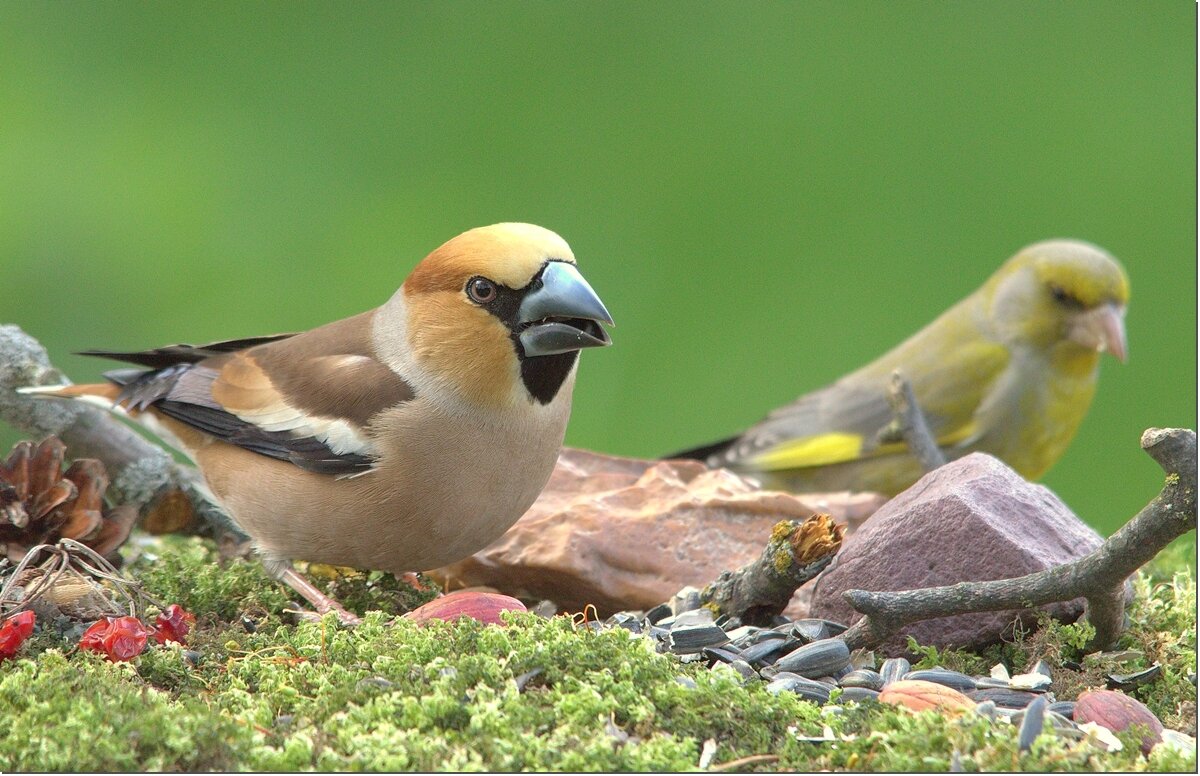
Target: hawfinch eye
x,y
481,290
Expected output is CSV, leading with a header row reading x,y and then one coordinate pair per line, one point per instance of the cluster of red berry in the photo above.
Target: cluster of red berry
x,y
117,638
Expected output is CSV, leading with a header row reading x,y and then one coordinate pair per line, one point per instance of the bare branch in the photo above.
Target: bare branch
x,y
910,425
1099,576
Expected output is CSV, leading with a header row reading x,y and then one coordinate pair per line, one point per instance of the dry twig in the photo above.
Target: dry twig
x,y
910,425
1098,577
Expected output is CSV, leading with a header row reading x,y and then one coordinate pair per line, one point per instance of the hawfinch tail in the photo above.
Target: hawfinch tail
x,y
400,439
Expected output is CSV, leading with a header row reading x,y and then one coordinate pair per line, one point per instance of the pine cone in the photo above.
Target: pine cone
x,y
40,503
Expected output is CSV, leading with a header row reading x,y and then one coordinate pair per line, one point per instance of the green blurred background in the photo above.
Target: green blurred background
x,y
766,195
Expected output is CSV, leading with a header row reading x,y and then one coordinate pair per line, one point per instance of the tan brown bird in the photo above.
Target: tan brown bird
x,y
1010,370
401,439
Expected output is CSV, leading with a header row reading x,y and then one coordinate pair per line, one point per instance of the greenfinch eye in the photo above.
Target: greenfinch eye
x,y
481,290
1061,296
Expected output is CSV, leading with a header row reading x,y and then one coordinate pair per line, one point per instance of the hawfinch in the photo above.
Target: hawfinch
x,y
1010,371
400,439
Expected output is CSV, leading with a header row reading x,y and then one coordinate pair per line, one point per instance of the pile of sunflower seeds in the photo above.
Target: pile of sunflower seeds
x,y
805,657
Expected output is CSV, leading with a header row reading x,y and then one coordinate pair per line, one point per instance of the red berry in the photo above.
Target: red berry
x,y
93,637
173,624
126,639
14,631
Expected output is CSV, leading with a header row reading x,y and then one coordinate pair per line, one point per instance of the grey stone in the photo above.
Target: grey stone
x,y
972,519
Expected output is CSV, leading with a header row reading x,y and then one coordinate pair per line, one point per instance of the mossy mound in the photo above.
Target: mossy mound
x,y
256,692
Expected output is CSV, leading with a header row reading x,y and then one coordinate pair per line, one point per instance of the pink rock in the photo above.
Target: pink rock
x,y
972,519
623,533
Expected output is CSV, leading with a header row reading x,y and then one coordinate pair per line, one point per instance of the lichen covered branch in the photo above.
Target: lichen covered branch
x,y
796,552
142,473
1098,577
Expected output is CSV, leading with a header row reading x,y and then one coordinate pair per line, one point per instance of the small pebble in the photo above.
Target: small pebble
x,y
686,681
862,678
248,624
944,677
816,659
1032,723
191,656
1000,672
1043,668
894,669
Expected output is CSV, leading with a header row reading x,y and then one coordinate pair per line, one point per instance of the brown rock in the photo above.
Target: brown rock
x,y
972,519
623,533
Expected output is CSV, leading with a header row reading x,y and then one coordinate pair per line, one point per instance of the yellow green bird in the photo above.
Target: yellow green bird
x,y
1010,371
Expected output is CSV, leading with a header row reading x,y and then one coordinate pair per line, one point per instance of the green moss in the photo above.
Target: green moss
x,y
396,696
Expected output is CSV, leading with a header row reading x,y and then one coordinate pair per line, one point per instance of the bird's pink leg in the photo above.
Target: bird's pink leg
x,y
319,600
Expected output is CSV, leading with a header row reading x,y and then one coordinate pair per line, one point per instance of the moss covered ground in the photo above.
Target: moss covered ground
x,y
256,690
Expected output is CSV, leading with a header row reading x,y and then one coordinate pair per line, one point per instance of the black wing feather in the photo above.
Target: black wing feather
x,y
170,355
161,388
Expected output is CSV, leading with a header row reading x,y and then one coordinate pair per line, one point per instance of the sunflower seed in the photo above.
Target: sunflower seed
x,y
1032,723
863,677
816,659
692,639
686,600
719,655
1004,699
1065,708
859,694
944,677
1128,682
805,688
745,669
763,652
894,669
809,630
658,613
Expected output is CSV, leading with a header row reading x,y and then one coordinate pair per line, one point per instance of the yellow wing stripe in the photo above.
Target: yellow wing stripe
x,y
837,447
809,451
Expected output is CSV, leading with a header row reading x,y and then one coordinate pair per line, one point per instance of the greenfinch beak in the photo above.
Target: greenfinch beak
x,y
1102,329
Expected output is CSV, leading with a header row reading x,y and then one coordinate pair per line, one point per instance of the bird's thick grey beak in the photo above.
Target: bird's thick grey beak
x,y
563,315
1102,329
